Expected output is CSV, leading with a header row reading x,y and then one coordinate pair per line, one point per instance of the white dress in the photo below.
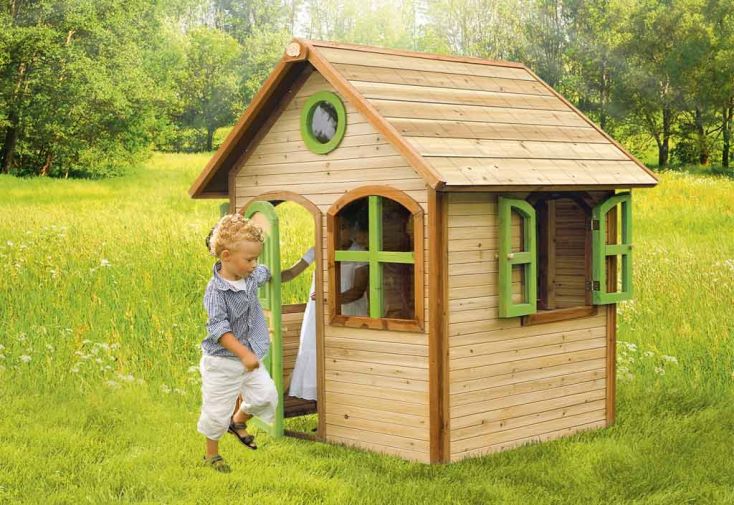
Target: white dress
x,y
303,380
359,306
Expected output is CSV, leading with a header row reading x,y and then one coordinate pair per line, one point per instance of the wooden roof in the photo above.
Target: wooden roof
x,y
462,123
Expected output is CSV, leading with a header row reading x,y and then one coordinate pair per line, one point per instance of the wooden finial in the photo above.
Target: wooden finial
x,y
293,49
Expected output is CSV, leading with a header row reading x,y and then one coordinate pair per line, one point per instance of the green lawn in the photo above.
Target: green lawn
x,y
101,318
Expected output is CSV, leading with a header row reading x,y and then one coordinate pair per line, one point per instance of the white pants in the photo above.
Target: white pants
x,y
222,379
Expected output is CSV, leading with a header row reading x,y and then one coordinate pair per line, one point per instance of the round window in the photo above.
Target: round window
x,y
323,122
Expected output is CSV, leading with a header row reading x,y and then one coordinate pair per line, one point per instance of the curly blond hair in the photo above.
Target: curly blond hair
x,y
231,229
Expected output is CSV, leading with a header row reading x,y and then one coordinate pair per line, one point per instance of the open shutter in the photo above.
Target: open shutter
x,y
526,259
601,251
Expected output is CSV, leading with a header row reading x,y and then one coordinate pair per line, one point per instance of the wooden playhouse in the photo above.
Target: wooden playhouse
x,y
496,236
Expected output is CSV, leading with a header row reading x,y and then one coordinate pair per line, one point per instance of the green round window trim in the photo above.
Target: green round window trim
x,y
307,115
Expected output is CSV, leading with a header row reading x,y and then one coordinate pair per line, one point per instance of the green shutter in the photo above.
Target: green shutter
x,y
601,250
507,259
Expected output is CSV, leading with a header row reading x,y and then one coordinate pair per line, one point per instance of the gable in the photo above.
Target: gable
x,y
280,161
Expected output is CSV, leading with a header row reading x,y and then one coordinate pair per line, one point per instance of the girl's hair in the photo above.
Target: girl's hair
x,y
231,229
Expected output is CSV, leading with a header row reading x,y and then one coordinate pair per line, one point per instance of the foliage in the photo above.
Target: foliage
x,y
101,316
76,87
87,88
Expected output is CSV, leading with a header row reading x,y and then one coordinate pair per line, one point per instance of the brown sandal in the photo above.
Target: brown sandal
x,y
217,463
247,440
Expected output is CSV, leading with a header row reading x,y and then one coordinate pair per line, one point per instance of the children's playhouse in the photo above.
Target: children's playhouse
x,y
495,223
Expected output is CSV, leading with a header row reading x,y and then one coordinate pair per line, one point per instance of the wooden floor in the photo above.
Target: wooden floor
x,y
295,407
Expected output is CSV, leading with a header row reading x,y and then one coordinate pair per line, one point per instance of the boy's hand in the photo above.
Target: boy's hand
x,y
249,360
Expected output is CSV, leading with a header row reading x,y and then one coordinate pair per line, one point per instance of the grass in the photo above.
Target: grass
x,y
101,318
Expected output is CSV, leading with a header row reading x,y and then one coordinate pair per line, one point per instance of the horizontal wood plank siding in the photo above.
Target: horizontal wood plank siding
x,y
376,381
512,384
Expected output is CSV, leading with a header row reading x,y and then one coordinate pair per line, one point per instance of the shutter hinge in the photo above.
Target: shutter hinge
x,y
594,224
593,285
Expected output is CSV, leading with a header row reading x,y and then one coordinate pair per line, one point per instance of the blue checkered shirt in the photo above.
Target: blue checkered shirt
x,y
238,311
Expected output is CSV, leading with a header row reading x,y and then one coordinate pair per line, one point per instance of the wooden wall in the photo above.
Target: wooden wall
x,y
376,381
511,384
570,267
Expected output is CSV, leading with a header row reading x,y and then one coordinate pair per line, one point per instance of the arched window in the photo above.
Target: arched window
x,y
376,260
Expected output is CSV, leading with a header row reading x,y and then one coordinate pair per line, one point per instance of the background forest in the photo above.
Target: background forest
x,y
87,89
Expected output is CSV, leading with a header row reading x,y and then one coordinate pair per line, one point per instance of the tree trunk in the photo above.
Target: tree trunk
x,y
47,165
604,96
209,138
701,141
663,149
7,154
726,116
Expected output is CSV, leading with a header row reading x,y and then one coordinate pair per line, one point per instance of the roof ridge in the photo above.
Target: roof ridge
x,y
413,54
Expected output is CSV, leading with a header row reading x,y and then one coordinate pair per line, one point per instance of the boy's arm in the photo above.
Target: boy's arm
x,y
246,356
217,323
261,274
220,331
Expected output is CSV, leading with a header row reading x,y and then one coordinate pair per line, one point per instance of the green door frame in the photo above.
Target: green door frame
x,y
270,299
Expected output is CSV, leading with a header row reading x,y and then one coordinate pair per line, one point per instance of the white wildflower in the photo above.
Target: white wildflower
x,y
112,384
115,346
75,370
670,359
165,389
659,370
632,347
22,337
178,391
2,347
193,369
126,378
50,347
25,358
104,263
9,243
86,341
98,361
647,354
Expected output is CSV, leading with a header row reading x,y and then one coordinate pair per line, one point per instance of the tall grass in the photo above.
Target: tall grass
x,y
101,318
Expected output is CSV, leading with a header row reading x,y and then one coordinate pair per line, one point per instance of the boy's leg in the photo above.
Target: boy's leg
x,y
260,397
220,383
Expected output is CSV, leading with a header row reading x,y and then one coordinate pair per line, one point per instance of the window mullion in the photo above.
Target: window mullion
x,y
375,246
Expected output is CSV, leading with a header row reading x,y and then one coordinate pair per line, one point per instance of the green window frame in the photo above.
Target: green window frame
x,y
601,250
507,259
307,112
375,256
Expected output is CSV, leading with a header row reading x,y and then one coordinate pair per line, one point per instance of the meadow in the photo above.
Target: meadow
x,y
101,318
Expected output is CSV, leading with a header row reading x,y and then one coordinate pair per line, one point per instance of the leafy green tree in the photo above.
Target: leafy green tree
x,y
77,93
210,84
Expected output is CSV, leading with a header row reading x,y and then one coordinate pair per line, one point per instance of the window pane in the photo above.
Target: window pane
x,y
323,122
352,227
397,227
398,295
353,279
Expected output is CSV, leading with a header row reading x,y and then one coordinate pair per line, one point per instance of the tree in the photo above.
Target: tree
x,y
651,89
210,84
78,94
